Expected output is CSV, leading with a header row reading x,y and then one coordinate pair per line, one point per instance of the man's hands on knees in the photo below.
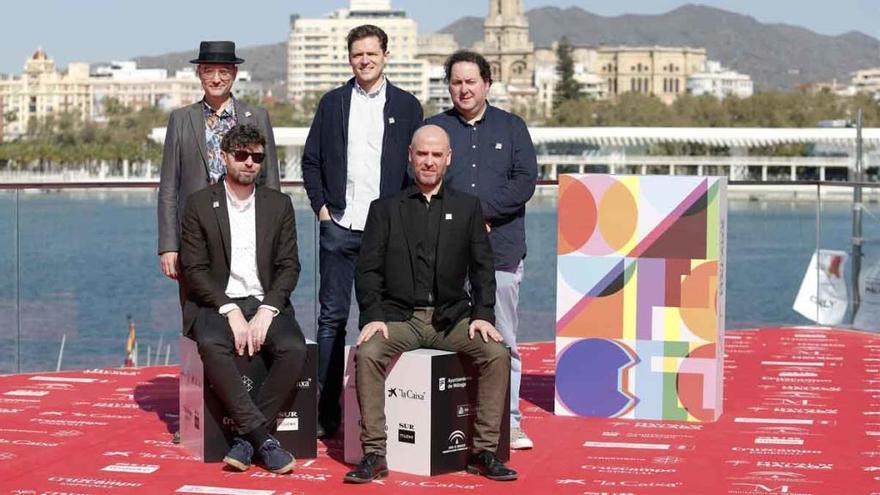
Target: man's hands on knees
x,y
241,331
371,329
486,329
170,264
259,326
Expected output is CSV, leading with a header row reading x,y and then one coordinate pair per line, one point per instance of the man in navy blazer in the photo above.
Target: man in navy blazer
x,y
356,152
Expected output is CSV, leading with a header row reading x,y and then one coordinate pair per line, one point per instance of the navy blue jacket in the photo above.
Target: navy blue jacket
x,y
495,161
325,156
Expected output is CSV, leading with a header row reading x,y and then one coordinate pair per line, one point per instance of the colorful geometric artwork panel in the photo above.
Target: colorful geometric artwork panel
x,y
640,296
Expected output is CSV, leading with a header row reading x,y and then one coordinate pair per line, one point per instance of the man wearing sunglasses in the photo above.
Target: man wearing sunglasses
x,y
239,256
191,159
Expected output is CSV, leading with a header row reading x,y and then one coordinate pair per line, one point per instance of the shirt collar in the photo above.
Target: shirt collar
x,y
239,204
228,109
379,91
413,191
479,120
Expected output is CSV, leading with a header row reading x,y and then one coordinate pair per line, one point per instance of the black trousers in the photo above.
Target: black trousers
x,y
286,350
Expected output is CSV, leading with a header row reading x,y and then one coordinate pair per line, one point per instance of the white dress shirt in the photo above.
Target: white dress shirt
x,y
366,129
244,281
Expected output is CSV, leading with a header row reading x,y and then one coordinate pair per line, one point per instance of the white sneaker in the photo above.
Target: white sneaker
x,y
519,440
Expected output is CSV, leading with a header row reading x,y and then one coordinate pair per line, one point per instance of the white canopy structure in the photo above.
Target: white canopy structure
x,y
616,153
745,137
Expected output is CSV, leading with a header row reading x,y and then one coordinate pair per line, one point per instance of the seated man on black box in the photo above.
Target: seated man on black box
x,y
239,255
419,248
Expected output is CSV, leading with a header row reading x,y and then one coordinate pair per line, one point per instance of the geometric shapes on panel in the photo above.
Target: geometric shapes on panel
x,y
591,378
640,296
578,224
695,385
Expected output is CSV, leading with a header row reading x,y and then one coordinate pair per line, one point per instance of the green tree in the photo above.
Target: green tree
x,y
567,87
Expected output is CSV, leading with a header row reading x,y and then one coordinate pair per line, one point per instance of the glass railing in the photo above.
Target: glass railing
x,y
78,261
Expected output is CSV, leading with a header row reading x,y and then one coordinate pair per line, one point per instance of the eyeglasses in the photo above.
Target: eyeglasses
x,y
242,155
209,73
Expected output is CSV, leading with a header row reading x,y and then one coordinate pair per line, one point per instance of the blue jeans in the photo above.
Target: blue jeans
x,y
338,255
507,323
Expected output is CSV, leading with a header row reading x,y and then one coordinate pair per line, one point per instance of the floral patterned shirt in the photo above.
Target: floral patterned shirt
x,y
216,126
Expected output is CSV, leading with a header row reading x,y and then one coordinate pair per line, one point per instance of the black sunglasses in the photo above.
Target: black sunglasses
x,y
242,155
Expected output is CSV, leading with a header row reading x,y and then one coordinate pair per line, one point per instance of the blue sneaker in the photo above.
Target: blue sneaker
x,y
239,456
276,459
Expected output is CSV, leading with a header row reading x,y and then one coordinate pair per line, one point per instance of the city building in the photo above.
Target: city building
x,y
656,70
720,82
42,91
867,81
436,47
546,78
832,86
510,52
438,91
317,51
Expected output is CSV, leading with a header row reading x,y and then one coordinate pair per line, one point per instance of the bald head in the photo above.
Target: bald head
x,y
429,155
430,133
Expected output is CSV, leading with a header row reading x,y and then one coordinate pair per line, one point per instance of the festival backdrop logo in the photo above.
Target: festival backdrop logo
x,y
640,296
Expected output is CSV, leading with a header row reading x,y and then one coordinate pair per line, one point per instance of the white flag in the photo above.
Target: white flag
x,y
823,297
868,316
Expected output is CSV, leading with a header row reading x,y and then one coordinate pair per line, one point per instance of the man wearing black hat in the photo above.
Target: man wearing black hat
x,y
191,159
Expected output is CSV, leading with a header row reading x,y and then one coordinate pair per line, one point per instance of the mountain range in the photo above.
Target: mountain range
x,y
777,56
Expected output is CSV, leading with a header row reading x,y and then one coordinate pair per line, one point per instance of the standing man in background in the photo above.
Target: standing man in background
x,y
191,160
356,152
493,158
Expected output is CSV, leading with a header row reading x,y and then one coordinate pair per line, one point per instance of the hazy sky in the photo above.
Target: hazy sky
x,y
103,30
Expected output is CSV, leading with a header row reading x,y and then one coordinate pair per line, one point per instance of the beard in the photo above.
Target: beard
x,y
428,180
243,178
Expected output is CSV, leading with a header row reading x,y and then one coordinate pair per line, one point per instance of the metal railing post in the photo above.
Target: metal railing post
x,y
857,220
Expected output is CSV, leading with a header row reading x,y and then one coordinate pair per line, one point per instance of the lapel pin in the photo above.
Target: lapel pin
x,y
390,120
216,204
449,216
498,146
247,114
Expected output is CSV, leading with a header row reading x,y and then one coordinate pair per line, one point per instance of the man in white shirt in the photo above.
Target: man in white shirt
x,y
239,255
356,152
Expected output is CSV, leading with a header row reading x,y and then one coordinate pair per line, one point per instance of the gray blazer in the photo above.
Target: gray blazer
x,y
185,165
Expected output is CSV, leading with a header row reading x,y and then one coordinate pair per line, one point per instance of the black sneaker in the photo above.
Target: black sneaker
x,y
487,464
239,456
275,458
372,466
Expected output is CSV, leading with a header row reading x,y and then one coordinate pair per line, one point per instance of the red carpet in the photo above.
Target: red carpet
x,y
801,417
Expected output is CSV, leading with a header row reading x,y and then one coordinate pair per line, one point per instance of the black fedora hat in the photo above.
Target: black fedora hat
x,y
217,52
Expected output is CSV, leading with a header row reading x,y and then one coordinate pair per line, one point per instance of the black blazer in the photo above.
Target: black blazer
x,y
385,276
325,155
205,249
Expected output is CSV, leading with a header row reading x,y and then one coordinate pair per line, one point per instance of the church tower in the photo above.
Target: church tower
x,y
507,47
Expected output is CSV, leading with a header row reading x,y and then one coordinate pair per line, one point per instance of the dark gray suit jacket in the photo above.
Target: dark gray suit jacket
x,y
185,165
